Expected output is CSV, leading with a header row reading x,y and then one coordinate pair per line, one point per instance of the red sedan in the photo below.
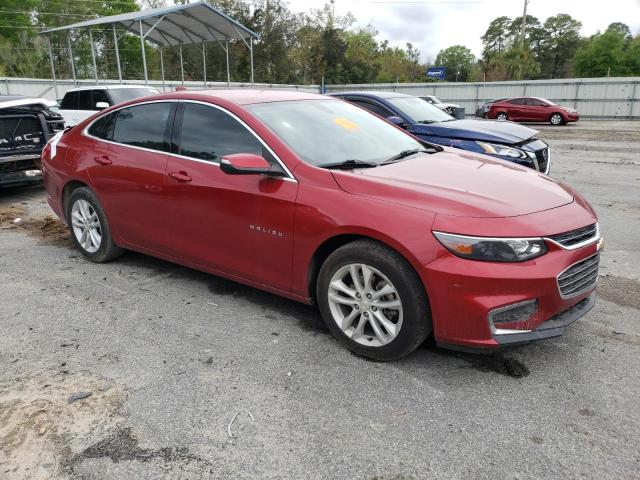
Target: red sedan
x,y
317,200
529,109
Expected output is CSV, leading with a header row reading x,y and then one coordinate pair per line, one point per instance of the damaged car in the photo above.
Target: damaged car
x,y
316,200
26,124
504,140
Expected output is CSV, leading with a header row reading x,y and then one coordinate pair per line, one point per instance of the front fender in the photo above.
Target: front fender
x,y
321,215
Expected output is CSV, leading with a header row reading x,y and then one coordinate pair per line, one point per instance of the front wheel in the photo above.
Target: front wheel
x,y
373,301
89,227
556,119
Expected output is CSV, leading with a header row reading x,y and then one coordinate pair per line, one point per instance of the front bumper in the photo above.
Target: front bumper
x,y
22,177
463,293
554,327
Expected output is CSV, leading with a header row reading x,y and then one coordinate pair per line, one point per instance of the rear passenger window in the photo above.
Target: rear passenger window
x,y
517,101
208,133
143,126
84,102
103,127
70,101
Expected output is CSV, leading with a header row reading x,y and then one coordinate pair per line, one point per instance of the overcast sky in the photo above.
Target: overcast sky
x,y
432,25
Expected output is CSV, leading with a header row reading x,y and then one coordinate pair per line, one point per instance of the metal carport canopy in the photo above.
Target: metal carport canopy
x,y
178,25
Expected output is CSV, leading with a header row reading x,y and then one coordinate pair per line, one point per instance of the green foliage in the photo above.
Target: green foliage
x,y
458,62
562,38
496,37
304,48
612,53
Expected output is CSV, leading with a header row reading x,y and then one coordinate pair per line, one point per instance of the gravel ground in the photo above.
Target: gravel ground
x,y
166,357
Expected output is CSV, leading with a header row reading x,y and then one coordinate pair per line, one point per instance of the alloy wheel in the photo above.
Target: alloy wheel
x,y
86,226
365,305
501,116
556,119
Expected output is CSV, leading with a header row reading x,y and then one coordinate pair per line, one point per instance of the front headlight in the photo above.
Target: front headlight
x,y
502,150
492,249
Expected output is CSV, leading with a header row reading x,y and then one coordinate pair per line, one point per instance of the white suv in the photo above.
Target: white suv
x,y
80,103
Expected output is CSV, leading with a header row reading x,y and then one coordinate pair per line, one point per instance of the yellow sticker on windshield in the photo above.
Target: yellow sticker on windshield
x,y
346,124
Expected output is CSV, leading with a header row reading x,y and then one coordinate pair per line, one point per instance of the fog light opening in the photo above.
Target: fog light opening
x,y
514,313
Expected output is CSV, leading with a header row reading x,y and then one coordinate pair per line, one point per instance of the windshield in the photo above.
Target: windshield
x,y
324,132
120,95
419,110
433,100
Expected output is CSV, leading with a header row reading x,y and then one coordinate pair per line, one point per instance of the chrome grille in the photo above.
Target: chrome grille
x,y
579,277
576,237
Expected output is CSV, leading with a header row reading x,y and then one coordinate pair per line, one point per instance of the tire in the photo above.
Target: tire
x,y
82,210
556,119
502,116
402,329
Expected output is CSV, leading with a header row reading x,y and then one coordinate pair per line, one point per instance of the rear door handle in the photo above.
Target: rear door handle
x,y
180,176
103,160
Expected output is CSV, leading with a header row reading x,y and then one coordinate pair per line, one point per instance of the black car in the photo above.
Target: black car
x,y
26,124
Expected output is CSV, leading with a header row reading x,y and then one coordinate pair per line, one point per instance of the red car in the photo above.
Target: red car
x,y
528,109
317,200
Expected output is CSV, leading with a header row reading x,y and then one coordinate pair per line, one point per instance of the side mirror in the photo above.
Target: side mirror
x,y
245,164
397,121
102,105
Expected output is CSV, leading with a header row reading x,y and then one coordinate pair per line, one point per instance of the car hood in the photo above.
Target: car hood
x,y
486,130
458,184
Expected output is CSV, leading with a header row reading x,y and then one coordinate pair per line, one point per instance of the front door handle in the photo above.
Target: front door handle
x,y
180,176
103,160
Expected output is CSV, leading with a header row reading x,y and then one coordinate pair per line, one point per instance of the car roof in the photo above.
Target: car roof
x,y
246,96
109,87
8,101
520,96
372,94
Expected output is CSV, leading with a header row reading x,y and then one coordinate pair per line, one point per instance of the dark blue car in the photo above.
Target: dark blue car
x,y
505,140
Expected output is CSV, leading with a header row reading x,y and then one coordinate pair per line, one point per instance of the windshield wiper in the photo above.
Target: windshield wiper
x,y
404,154
349,164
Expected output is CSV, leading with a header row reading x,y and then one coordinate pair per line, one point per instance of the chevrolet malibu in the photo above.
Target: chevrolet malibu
x,y
316,200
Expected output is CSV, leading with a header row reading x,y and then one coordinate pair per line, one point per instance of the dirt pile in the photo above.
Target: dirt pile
x,y
47,230
40,427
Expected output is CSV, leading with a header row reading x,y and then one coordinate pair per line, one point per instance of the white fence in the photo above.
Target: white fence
x,y
44,88
593,97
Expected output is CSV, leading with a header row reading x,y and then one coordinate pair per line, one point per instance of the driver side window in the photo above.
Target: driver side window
x,y
208,133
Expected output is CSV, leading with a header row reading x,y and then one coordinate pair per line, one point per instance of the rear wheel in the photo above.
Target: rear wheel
x,y
502,116
373,301
556,119
89,227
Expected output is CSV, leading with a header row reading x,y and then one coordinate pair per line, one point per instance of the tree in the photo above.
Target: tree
x,y
360,56
458,61
602,55
632,59
514,30
621,28
496,37
559,45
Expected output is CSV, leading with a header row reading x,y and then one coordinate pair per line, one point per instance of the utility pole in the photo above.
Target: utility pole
x,y
524,24
333,11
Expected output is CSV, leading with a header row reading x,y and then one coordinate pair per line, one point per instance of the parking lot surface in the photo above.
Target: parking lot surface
x,y
165,358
